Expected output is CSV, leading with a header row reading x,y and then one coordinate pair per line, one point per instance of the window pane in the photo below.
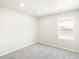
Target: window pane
x,y
66,28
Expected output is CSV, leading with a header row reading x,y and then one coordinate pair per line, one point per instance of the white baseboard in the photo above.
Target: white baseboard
x,y
40,43
45,43
17,49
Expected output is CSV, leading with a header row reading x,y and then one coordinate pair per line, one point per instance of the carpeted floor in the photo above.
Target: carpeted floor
x,y
40,51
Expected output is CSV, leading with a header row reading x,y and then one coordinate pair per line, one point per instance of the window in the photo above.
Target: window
x,y
66,28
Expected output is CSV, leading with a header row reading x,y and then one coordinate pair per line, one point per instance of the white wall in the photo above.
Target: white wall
x,y
16,30
48,31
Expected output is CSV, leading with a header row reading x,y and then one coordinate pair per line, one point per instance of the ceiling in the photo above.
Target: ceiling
x,y
39,8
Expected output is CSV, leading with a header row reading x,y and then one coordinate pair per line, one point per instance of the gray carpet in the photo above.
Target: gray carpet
x,y
40,51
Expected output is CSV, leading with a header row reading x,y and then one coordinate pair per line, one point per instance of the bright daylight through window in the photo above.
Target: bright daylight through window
x,y
66,28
